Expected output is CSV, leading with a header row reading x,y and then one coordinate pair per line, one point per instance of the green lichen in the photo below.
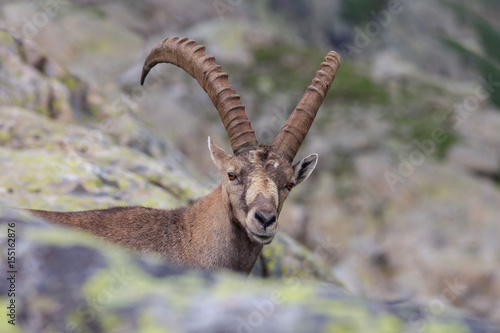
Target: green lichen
x,y
7,39
75,322
285,258
353,317
353,84
70,82
123,183
47,168
112,322
155,202
277,69
123,293
148,324
4,137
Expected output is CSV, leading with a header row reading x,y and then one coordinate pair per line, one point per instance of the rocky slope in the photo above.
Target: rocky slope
x,y
397,216
68,282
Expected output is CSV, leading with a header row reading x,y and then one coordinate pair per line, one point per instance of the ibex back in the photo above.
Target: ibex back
x,y
228,227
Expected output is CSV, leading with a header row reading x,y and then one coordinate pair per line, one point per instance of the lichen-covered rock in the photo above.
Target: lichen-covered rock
x,y
44,164
285,258
47,165
24,84
34,82
66,282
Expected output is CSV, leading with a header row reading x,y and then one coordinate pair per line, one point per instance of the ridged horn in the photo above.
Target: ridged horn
x,y
192,58
296,127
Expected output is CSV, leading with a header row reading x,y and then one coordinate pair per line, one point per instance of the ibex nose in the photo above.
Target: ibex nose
x,y
264,220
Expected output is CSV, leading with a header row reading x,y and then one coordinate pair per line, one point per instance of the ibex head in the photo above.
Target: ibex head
x,y
256,178
255,185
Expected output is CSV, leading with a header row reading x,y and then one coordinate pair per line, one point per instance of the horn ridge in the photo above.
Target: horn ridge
x,y
298,124
189,56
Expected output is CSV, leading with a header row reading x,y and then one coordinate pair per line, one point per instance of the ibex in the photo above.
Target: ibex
x,y
228,227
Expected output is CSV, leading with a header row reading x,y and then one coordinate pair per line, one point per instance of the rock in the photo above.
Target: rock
x,y
25,86
66,282
388,65
285,258
66,98
439,226
477,159
42,157
479,148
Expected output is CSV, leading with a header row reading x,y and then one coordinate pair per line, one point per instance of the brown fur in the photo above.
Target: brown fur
x,y
176,234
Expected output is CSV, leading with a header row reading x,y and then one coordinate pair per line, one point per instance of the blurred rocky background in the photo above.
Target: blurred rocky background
x,y
405,201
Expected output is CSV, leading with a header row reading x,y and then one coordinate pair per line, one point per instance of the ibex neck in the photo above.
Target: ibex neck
x,y
220,240
203,235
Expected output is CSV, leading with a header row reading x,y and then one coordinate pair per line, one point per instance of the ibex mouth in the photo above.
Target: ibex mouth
x,y
260,238
263,239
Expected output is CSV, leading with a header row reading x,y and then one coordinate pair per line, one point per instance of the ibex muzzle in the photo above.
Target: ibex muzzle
x,y
228,227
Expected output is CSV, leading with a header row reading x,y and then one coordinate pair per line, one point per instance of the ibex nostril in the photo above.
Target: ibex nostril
x,y
265,221
259,217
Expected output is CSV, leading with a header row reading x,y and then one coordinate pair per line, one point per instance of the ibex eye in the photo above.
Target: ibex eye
x,y
289,186
231,176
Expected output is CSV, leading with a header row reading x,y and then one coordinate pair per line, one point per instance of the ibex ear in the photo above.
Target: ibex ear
x,y
303,168
218,154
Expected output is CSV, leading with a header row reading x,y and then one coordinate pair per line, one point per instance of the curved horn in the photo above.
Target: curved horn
x,y
296,127
192,58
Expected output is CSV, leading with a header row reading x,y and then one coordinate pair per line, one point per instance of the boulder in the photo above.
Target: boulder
x,y
65,281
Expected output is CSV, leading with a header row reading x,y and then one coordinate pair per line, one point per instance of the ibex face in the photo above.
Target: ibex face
x,y
256,183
